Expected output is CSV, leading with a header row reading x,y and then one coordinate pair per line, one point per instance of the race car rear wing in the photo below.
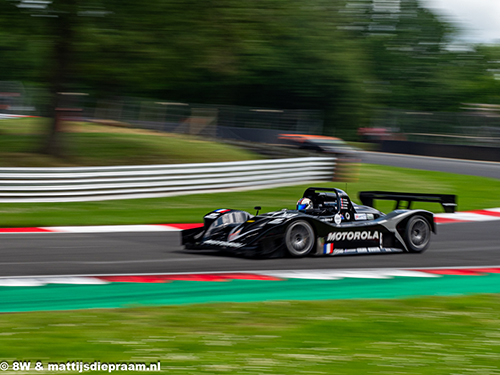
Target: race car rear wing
x,y
448,201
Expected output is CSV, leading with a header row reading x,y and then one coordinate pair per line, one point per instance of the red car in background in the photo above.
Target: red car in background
x,y
321,144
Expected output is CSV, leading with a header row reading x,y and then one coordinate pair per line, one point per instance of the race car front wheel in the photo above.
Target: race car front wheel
x,y
299,238
417,234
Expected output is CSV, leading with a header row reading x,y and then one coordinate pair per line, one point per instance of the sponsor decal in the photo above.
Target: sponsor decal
x,y
364,235
326,219
276,221
344,203
282,214
213,215
223,243
338,220
360,217
362,250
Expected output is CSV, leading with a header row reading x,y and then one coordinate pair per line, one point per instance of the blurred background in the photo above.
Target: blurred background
x,y
419,76
361,70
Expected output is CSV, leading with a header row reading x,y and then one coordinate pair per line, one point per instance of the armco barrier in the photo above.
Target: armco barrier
x,y
82,184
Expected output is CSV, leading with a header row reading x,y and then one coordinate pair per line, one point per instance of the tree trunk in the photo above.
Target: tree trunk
x,y
60,74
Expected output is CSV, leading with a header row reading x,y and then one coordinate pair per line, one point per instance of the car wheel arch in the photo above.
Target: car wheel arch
x,y
416,232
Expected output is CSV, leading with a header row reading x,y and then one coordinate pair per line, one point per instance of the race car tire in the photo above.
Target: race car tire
x,y
299,238
417,234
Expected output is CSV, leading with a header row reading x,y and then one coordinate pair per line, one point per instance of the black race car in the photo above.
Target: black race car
x,y
325,222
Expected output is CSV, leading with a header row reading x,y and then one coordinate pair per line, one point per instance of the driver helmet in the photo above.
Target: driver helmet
x,y
304,204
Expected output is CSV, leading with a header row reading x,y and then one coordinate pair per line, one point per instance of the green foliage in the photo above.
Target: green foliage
x,y
344,57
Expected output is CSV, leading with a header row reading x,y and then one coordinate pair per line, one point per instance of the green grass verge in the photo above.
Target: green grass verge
x,y
90,144
452,335
473,193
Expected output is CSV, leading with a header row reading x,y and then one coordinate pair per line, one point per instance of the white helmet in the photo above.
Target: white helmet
x,y
304,204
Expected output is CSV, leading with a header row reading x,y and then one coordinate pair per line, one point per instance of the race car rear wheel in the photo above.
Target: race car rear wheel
x,y
417,234
299,238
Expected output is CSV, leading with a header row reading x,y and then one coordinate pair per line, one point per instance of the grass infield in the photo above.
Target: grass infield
x,y
448,335
88,144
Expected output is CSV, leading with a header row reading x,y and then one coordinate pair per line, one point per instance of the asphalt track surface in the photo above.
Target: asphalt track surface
x,y
455,245
467,167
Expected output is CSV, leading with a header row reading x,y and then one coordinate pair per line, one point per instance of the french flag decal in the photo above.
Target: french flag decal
x,y
328,248
222,210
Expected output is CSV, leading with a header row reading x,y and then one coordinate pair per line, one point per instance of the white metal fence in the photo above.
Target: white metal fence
x,y
81,184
